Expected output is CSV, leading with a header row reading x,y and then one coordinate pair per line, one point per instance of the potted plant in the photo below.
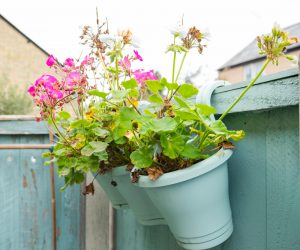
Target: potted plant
x,y
87,103
126,118
184,150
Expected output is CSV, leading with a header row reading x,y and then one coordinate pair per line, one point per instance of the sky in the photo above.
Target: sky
x,y
56,26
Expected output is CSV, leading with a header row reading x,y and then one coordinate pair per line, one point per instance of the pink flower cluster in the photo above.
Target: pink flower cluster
x,y
49,93
141,76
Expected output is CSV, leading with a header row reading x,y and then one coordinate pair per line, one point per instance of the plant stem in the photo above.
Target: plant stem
x,y
174,62
246,89
56,128
134,106
180,67
117,73
105,70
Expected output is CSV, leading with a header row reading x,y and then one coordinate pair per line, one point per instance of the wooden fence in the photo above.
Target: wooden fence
x,y
264,173
264,180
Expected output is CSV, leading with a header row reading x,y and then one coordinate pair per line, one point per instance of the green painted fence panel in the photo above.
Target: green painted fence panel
x,y
25,195
264,173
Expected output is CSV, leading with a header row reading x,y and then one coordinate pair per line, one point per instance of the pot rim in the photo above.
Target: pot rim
x,y
191,172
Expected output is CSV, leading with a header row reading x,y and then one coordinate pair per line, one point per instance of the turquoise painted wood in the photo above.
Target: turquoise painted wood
x,y
264,173
25,195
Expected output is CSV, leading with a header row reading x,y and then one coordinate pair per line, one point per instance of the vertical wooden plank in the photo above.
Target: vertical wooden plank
x,y
283,180
68,216
25,199
96,219
35,198
10,182
247,183
133,236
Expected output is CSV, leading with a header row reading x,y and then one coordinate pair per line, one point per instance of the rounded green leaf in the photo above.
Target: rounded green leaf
x,y
98,93
172,144
130,84
187,90
142,158
155,98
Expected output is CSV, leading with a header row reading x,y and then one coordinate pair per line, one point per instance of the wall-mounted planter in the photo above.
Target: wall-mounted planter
x,y
195,202
143,208
112,193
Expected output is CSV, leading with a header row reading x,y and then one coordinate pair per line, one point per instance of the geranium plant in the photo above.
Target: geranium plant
x,y
108,112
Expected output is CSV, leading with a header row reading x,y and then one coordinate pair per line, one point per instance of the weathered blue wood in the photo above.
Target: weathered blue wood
x,y
25,195
279,90
264,173
23,127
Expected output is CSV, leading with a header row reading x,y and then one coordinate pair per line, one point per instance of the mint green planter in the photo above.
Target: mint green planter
x,y
143,208
195,202
112,193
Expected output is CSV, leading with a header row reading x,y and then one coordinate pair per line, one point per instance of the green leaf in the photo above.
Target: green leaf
x,y
94,147
163,124
127,114
187,116
154,85
172,144
88,150
46,154
100,132
187,90
172,86
218,127
142,158
236,135
63,171
155,98
133,93
119,94
206,109
80,124
181,102
119,132
64,115
191,151
102,156
98,146
98,93
130,84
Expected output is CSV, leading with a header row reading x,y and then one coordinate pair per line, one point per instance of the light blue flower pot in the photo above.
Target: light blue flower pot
x,y
143,208
195,202
112,193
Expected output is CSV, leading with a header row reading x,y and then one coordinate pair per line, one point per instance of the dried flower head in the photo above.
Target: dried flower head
x,y
274,45
126,36
193,39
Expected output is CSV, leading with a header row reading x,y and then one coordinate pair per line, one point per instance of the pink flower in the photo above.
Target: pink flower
x,y
73,78
125,63
50,61
87,60
56,94
137,55
46,80
31,90
69,62
141,76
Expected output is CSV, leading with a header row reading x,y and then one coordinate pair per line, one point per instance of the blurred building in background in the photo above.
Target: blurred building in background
x,y
22,61
246,64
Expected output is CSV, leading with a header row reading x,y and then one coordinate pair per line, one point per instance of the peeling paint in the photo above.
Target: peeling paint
x,y
24,182
33,179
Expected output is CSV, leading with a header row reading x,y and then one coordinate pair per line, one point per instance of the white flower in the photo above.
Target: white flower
x,y
108,39
135,42
179,30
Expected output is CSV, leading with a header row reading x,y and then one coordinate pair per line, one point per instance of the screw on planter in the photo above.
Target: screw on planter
x,y
114,183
